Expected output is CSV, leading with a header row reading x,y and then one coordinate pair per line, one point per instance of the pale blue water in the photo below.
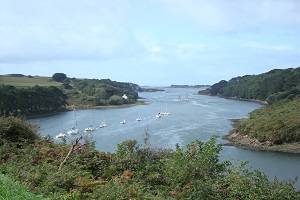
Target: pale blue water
x,y
200,118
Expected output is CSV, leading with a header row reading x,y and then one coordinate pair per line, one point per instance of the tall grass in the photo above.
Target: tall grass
x,y
11,190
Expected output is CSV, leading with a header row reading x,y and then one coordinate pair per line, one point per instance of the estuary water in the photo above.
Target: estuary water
x,y
191,117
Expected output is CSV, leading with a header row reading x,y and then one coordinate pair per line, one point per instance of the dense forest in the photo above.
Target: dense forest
x,y
32,100
65,92
134,171
271,87
106,92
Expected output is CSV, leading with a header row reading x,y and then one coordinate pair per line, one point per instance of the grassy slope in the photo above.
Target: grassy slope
x,y
272,128
12,190
278,123
21,82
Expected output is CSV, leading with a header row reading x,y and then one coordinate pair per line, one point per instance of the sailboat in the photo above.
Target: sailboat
x,y
102,125
123,121
90,128
139,118
166,112
74,130
187,97
60,135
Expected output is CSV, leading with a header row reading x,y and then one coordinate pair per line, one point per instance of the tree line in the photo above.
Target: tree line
x,y
273,86
107,92
31,100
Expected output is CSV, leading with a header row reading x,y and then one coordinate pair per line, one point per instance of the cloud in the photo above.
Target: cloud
x,y
271,47
219,16
49,30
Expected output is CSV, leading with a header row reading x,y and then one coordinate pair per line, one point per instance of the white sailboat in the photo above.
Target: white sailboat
x,y
102,125
139,118
90,128
158,115
74,130
166,112
123,121
60,135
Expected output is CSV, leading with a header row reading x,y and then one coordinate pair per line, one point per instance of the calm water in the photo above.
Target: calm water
x,y
191,117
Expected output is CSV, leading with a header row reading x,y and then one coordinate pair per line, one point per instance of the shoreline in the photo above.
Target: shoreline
x,y
241,99
69,108
245,142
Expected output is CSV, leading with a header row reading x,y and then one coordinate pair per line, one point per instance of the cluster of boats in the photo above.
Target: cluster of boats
x,y
75,131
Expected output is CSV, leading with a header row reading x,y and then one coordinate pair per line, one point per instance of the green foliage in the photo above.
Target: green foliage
x,y
133,172
115,100
272,86
107,92
32,100
16,130
59,77
278,123
9,189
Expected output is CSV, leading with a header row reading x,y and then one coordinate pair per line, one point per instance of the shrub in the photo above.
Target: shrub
x,y
17,130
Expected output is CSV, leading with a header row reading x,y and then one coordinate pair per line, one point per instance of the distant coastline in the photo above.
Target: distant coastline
x,y
189,86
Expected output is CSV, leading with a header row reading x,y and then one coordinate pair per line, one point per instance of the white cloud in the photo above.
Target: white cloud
x,y
46,30
221,16
271,47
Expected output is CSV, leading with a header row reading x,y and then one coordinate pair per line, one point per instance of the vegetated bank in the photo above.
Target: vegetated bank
x,y
275,127
134,171
34,95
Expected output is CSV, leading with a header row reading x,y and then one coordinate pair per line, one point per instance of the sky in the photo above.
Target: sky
x,y
149,42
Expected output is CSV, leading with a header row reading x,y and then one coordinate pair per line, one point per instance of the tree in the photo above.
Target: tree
x,y
59,77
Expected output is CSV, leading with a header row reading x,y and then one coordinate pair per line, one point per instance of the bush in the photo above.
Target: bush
x,y
17,130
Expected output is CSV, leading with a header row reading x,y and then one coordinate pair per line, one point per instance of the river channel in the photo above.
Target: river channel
x,y
191,117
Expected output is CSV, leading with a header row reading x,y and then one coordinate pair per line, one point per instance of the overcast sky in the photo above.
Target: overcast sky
x,y
149,42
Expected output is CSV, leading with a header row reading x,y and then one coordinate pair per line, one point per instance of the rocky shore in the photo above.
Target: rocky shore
x,y
244,141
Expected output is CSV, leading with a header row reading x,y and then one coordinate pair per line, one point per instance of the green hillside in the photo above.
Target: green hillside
x,y
271,87
20,94
276,124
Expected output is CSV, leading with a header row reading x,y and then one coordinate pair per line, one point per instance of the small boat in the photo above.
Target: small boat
x,y
102,125
73,131
89,129
60,135
123,121
158,115
139,118
166,112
